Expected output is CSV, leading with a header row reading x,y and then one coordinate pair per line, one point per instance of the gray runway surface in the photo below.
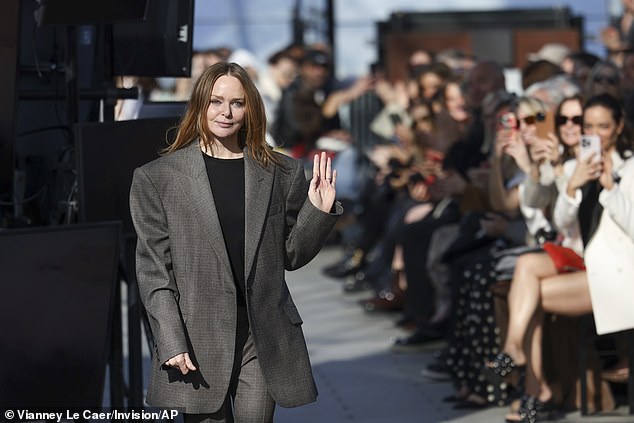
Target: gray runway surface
x,y
358,377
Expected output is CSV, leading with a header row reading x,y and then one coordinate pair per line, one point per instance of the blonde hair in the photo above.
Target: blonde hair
x,y
532,105
193,125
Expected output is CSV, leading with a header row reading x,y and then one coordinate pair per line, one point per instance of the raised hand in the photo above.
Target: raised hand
x,y
518,151
587,169
552,146
321,191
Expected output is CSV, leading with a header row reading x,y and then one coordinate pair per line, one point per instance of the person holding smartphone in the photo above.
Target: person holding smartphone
x,y
530,267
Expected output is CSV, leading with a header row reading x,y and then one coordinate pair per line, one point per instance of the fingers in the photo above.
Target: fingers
x,y
316,173
322,165
181,362
188,362
322,168
334,177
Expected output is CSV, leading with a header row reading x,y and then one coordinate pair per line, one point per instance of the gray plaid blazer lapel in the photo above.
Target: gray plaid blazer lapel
x,y
203,201
258,185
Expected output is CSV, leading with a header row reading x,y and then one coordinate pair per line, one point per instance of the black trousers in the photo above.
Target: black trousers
x,y
416,237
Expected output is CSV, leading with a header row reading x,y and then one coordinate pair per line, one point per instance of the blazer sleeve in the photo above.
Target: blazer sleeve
x,y
619,201
537,195
307,227
155,276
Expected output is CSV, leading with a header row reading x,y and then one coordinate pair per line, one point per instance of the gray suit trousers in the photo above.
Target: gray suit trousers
x,y
248,399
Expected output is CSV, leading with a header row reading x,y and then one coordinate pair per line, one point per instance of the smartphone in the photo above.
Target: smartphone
x,y
590,144
508,121
544,124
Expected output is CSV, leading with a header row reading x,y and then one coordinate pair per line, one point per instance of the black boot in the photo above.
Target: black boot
x,y
349,265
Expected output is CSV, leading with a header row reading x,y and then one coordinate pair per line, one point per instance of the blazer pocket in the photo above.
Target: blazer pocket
x,y
293,315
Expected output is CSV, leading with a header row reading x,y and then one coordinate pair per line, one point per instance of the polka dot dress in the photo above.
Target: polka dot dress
x,y
476,336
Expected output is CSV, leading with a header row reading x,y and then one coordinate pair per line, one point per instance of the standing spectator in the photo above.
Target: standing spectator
x,y
604,78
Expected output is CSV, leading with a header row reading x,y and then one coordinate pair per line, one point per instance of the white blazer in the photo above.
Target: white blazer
x,y
609,256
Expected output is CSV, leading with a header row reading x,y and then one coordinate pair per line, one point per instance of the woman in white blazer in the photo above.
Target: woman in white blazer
x,y
219,218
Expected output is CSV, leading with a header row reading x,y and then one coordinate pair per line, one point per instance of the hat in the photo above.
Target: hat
x,y
317,57
551,52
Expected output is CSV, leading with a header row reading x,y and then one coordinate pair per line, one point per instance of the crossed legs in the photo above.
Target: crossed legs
x,y
537,288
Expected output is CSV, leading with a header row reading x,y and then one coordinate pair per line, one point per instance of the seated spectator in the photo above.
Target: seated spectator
x,y
578,65
456,186
543,197
431,78
538,71
457,60
309,107
605,77
554,53
453,118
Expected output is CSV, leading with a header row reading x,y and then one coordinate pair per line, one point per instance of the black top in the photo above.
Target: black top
x,y
226,177
467,153
590,210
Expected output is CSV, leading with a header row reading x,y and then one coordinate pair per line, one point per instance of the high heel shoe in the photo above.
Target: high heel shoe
x,y
532,410
502,366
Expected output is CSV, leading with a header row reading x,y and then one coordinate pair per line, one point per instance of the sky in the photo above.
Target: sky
x,y
263,26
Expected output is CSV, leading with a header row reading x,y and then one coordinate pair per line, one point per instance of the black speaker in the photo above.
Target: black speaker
x,y
58,296
107,154
159,46
81,12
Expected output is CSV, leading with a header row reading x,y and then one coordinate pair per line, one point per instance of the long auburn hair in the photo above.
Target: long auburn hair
x,y
193,125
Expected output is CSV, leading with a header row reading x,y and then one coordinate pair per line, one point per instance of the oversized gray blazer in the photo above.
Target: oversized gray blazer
x,y
187,286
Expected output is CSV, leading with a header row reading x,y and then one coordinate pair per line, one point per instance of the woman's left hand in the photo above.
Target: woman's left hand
x,y
322,186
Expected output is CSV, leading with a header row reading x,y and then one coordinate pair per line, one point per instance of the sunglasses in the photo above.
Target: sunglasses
x,y
531,119
601,79
561,120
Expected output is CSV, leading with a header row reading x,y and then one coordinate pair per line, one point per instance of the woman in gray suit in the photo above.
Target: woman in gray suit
x,y
219,218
